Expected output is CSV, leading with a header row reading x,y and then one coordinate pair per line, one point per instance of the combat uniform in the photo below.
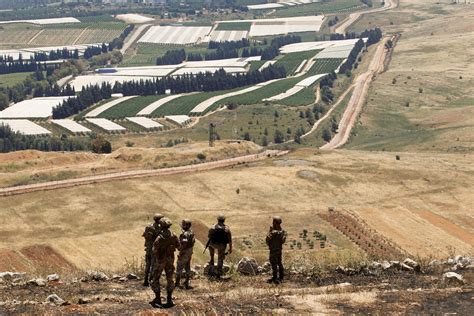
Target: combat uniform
x,y
219,237
150,234
163,259
186,240
276,237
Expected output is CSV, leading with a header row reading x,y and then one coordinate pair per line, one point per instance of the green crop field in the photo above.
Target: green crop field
x,y
320,7
130,107
12,79
293,60
234,26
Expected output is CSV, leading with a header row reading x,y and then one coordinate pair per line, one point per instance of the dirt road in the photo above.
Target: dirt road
x,y
132,38
138,174
342,28
361,88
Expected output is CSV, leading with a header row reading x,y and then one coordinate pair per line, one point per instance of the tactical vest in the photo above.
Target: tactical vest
x,y
220,235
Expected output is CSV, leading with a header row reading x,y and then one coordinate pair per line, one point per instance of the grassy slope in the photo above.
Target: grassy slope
x,y
12,79
441,117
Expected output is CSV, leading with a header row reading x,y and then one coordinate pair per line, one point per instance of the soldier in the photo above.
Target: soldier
x,y
163,259
186,240
275,239
150,234
219,237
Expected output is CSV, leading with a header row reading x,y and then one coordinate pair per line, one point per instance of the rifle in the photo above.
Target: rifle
x,y
207,245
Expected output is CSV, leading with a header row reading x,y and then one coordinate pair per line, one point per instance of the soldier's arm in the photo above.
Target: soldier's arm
x,y
283,239
156,245
229,234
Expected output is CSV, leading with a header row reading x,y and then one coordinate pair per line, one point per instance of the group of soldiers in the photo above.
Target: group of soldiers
x,y
161,244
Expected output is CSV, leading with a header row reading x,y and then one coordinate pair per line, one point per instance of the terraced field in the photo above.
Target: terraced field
x,y
320,7
293,60
130,107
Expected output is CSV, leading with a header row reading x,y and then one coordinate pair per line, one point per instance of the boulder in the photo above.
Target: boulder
x,y
97,276
413,264
9,276
37,282
386,265
207,269
52,277
453,277
83,300
434,263
247,266
56,300
132,276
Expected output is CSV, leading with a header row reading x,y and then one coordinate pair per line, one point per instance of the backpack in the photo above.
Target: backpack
x,y
220,236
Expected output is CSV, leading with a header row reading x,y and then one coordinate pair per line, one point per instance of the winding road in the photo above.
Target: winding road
x,y
345,24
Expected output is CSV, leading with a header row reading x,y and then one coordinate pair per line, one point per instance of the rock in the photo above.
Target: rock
x,y
193,273
97,276
132,276
37,282
413,264
346,271
247,266
53,298
405,267
83,300
434,263
52,277
9,276
453,277
115,277
386,265
267,267
198,267
207,268
450,261
123,279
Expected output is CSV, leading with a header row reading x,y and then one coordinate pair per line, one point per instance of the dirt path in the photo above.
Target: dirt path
x,y
79,36
353,17
52,185
361,88
132,38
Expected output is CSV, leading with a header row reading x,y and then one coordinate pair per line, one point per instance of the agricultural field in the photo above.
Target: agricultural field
x,y
292,61
334,6
234,26
177,35
14,78
33,108
130,107
24,127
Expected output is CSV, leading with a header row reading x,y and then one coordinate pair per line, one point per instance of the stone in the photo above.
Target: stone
x,y
386,265
97,276
116,277
434,263
52,277
9,276
413,264
267,267
225,269
37,282
83,300
56,300
453,277
132,276
247,266
405,267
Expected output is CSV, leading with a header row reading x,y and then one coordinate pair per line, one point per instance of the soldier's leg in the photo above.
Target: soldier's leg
x,y
147,268
187,268
274,264
179,269
220,260
169,271
280,267
155,284
211,261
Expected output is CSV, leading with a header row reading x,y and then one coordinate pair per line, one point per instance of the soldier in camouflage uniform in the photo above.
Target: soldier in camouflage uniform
x,y
275,239
150,234
219,237
163,259
186,240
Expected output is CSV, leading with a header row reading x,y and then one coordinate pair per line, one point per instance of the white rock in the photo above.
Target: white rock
x,y
412,263
452,276
52,277
97,276
247,266
37,282
132,276
53,298
8,276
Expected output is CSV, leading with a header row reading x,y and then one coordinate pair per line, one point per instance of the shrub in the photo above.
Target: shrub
x,y
201,156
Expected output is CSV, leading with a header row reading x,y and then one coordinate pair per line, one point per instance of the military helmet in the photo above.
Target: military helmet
x,y
186,223
277,219
157,217
165,222
221,218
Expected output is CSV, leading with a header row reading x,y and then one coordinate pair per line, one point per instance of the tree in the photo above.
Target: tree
x,y
264,141
3,101
326,135
247,136
279,137
100,145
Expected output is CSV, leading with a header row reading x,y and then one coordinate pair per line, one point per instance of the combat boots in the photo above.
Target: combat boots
x,y
186,284
169,299
178,281
157,300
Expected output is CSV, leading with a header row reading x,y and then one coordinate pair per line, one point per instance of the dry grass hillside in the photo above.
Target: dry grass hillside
x,y
424,102
26,167
422,202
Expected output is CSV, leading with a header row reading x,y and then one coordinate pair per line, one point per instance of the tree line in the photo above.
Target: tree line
x,y
24,66
12,141
273,50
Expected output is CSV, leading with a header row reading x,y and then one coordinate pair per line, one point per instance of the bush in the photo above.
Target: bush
x,y
100,145
201,156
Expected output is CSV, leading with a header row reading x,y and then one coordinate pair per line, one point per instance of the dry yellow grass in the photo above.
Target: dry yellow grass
x,y
100,225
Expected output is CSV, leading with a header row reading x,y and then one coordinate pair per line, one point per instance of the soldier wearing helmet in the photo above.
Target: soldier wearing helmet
x,y
276,237
186,240
150,234
219,238
163,259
